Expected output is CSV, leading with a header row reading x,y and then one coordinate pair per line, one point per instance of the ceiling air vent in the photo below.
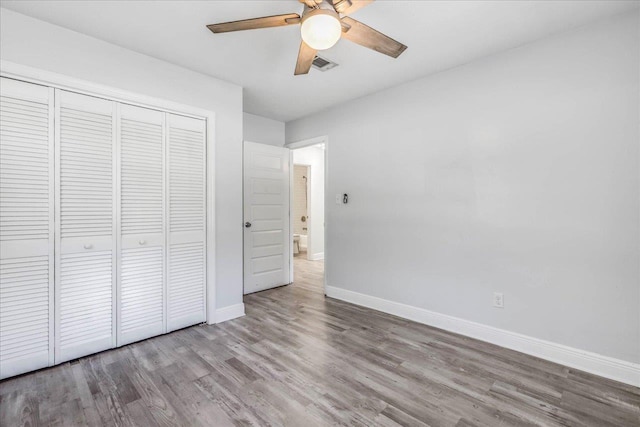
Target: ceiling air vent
x,y
323,64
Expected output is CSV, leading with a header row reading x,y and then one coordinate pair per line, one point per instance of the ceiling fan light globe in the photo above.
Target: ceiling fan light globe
x,y
321,29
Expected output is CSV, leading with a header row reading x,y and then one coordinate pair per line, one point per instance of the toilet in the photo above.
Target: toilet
x,y
296,244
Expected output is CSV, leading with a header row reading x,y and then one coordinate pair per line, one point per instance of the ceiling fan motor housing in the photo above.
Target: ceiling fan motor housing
x,y
322,7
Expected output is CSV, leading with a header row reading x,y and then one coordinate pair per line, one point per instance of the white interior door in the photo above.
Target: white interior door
x,y
26,227
86,239
266,216
186,275
141,267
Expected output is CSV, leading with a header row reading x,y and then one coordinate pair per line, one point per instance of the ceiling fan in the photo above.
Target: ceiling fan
x,y
322,24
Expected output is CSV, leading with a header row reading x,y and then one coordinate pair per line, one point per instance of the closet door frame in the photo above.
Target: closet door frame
x,y
52,221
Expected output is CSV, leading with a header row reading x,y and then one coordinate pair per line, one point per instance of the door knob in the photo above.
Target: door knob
x,y
247,224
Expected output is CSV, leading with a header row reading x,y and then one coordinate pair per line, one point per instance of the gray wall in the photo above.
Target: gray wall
x,y
263,130
41,45
517,173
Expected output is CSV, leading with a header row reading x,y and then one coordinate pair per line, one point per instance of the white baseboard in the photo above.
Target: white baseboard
x,y
229,312
604,366
316,257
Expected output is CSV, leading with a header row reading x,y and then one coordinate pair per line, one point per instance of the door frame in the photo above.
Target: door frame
x,y
324,139
50,79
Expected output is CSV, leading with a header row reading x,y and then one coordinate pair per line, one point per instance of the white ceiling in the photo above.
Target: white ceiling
x,y
440,35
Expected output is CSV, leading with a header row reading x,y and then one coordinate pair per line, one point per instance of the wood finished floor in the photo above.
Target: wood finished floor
x,y
300,359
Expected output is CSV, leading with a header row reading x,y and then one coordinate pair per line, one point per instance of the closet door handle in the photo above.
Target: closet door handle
x,y
88,246
247,224
142,242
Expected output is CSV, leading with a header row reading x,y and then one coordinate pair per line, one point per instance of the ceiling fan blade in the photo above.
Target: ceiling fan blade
x,y
305,59
255,23
343,7
368,37
311,3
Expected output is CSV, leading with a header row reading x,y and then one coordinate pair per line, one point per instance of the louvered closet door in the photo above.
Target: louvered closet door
x,y
26,227
141,269
186,258
86,244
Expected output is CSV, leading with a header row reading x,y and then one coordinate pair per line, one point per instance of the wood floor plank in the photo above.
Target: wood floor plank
x,y
300,359
155,402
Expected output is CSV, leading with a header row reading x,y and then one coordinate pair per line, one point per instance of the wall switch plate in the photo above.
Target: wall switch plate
x,y
498,300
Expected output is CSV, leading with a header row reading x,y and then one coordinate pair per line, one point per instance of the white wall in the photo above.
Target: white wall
x,y
263,130
517,173
314,157
38,44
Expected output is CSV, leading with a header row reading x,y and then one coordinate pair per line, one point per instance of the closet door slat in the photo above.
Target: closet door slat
x,y
26,227
86,240
141,270
186,282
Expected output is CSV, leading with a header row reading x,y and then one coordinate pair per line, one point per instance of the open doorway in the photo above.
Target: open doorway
x,y
307,208
300,210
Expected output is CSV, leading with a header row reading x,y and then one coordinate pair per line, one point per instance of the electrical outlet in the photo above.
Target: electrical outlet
x,y
498,300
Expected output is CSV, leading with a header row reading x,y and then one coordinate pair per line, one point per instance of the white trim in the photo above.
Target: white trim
x,y
52,223
324,139
604,366
307,142
21,72
165,225
116,254
57,244
229,312
291,225
210,242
